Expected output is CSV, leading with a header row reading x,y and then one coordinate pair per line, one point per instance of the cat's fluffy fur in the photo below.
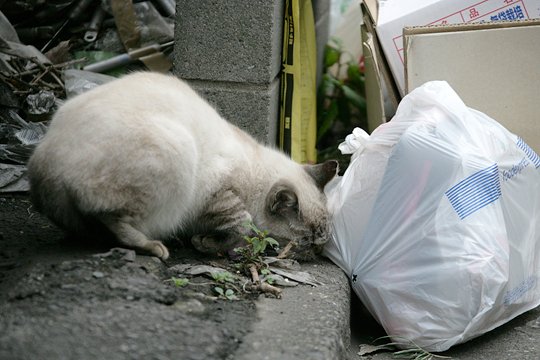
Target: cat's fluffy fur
x,y
148,158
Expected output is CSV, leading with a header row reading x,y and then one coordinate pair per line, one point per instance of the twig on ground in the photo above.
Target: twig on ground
x,y
28,75
285,252
56,66
263,286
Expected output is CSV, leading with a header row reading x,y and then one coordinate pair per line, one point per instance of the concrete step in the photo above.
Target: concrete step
x,y
308,323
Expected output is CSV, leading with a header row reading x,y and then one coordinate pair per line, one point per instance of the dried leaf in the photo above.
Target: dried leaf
x,y
190,269
298,276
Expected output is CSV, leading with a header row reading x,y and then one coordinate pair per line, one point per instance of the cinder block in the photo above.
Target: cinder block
x,y
253,108
230,52
233,40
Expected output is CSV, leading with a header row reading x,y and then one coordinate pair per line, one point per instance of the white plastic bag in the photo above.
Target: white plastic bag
x,y
437,221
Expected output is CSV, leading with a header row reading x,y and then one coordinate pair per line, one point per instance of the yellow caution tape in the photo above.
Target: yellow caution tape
x,y
298,112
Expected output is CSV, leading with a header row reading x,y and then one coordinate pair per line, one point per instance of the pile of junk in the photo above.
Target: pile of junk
x,y
55,49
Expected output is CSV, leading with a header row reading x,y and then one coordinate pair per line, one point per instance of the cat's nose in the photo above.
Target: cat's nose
x,y
320,237
317,249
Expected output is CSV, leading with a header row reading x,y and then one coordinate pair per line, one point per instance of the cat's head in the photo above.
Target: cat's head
x,y
295,210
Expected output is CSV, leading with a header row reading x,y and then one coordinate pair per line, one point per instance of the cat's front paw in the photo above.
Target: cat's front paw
x,y
156,248
205,244
209,244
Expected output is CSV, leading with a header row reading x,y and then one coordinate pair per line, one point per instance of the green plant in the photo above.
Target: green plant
x,y
224,277
267,276
251,261
341,104
255,246
225,294
179,282
225,280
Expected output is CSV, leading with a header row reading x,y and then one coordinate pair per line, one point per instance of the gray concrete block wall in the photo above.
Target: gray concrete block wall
x,y
252,107
230,52
233,41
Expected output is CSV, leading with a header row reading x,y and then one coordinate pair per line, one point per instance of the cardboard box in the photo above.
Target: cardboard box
x,y
492,66
381,94
389,17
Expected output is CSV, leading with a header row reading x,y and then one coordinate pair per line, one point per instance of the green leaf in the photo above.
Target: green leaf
x,y
355,77
251,226
354,97
335,81
239,250
331,56
180,282
229,294
271,241
327,85
328,120
353,71
223,276
219,290
258,246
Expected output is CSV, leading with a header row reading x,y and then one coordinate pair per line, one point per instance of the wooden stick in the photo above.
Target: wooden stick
x,y
283,254
263,286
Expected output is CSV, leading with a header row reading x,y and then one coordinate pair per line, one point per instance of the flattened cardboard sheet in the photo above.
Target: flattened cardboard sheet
x,y
493,67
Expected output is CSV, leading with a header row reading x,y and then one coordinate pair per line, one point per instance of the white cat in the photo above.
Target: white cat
x,y
147,158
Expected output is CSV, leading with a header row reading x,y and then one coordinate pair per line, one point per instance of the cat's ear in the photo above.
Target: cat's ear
x,y
282,200
322,173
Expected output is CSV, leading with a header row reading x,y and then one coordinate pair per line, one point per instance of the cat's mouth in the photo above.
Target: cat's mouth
x,y
306,254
